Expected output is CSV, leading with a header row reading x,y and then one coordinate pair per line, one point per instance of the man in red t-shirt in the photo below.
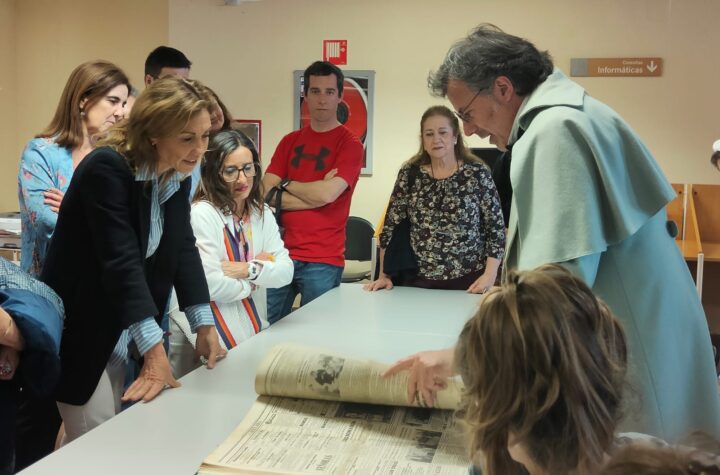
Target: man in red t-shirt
x,y
316,169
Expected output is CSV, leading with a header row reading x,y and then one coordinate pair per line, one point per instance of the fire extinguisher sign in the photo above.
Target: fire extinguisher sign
x,y
335,51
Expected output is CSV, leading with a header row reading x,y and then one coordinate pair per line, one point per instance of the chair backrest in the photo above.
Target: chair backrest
x,y
707,206
358,239
676,209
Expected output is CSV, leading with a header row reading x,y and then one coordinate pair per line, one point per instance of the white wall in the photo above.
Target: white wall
x,y
247,53
42,41
8,106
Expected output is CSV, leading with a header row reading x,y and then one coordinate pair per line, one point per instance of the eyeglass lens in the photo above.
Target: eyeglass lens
x,y
232,173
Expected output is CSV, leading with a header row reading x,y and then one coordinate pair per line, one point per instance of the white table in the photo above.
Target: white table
x,y
175,432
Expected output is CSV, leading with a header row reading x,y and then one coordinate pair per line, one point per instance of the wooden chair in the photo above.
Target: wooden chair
x,y
706,201
681,211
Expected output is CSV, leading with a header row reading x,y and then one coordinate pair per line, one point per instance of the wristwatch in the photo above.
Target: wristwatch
x,y
253,270
284,184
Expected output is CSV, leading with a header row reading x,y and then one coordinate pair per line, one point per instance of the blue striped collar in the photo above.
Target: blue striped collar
x,y
168,187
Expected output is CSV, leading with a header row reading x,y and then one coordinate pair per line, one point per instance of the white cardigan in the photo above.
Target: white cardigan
x,y
208,225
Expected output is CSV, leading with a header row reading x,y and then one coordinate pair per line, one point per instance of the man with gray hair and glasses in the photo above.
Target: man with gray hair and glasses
x,y
587,194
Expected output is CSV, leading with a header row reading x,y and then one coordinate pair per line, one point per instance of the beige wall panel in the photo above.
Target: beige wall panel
x,y
50,39
247,53
8,107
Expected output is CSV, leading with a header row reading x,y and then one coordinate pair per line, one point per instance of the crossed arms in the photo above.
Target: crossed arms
x,y
308,195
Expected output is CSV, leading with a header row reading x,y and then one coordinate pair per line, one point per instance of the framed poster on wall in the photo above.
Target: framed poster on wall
x,y
355,111
252,128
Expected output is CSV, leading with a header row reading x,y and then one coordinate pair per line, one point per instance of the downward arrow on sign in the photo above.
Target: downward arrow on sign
x,y
652,66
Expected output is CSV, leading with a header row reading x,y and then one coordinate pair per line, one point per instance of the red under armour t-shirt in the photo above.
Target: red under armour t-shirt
x,y
318,235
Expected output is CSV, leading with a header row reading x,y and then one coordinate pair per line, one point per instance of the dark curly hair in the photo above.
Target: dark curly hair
x,y
488,52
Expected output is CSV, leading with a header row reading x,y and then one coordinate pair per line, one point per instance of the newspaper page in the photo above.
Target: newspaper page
x,y
300,436
296,371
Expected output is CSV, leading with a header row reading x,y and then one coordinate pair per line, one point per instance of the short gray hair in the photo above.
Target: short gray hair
x,y
486,53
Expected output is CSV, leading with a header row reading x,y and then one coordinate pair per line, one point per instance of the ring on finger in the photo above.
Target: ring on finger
x,y
6,369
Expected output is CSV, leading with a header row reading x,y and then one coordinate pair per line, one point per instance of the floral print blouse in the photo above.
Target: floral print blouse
x,y
43,165
456,222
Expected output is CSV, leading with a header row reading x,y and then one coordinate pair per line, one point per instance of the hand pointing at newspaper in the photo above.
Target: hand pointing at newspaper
x,y
429,373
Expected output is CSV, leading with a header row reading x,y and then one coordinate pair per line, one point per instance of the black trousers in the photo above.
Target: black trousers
x,y
9,393
36,428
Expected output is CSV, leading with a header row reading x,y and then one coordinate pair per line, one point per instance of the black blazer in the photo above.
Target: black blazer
x,y
96,263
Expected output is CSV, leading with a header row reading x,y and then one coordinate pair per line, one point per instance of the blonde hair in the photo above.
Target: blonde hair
x,y
543,361
89,82
162,110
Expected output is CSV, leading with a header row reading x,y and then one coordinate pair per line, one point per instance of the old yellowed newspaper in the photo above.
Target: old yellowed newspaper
x,y
302,436
297,371
322,413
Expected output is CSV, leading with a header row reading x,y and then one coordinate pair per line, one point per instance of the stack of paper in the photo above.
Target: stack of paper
x,y
10,230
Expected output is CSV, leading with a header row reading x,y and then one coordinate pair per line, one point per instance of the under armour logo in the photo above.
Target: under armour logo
x,y
319,158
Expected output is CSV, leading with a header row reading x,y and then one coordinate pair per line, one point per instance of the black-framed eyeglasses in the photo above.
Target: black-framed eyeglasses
x,y
462,114
230,174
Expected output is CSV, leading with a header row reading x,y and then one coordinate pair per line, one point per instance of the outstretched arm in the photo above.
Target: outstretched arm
x,y
383,281
429,372
487,279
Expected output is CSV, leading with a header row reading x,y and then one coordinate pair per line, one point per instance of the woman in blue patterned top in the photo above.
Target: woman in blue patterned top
x,y
92,101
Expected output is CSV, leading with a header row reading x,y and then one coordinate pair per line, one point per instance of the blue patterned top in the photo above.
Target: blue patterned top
x,y
43,165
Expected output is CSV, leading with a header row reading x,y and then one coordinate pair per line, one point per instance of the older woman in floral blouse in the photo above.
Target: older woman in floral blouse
x,y
456,226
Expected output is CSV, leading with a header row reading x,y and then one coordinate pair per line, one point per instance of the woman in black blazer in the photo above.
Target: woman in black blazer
x,y
122,241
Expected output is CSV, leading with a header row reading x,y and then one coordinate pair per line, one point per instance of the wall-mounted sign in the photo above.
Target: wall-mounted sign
x,y
619,67
335,51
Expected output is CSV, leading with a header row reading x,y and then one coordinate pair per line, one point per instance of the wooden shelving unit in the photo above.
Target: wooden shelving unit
x,y
696,211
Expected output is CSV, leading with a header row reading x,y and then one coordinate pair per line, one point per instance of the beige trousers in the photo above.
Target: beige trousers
x,y
102,405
